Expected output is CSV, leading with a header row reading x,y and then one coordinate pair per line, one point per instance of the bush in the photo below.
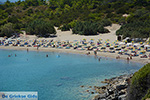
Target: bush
x,y
65,27
136,29
140,83
41,28
7,30
89,28
147,95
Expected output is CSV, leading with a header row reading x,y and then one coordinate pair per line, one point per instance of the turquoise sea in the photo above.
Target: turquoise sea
x,y
58,76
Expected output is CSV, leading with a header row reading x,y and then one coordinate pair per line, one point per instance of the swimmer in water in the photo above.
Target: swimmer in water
x,y
46,55
15,55
99,58
58,56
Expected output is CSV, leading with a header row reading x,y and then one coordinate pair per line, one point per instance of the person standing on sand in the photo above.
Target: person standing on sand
x,y
95,53
128,59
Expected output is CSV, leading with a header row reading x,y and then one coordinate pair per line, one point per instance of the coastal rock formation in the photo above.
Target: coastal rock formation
x,y
116,88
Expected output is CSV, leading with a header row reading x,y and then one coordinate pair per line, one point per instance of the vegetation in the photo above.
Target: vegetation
x,y
137,29
7,30
41,28
140,84
65,27
68,12
147,95
89,28
137,25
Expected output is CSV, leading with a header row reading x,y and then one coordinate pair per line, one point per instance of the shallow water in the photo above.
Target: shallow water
x,y
57,78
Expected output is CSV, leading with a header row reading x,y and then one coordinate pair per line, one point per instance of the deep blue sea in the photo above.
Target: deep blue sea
x,y
57,77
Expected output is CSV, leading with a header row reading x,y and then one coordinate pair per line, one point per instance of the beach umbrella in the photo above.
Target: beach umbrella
x,y
91,41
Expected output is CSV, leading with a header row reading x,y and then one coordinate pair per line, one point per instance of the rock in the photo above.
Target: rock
x,y
122,97
122,92
97,97
90,86
103,87
110,91
82,86
120,87
103,96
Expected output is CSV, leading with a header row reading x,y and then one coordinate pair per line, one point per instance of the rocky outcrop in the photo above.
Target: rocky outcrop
x,y
116,88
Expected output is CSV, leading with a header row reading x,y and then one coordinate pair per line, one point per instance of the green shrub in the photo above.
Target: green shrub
x,y
65,27
140,83
147,95
41,28
89,28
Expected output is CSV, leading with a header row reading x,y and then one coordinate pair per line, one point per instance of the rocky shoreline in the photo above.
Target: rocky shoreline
x,y
115,88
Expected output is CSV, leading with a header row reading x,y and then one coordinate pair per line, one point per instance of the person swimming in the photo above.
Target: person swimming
x,y
46,55
58,56
99,58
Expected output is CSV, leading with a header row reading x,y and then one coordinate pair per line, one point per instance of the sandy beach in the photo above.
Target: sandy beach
x,y
67,35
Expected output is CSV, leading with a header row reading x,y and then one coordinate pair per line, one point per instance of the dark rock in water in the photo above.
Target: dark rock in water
x,y
58,85
90,86
104,87
82,86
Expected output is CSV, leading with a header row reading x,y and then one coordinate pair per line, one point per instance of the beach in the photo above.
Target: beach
x,y
83,52
65,36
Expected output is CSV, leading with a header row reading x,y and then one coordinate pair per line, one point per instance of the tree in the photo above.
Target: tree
x,y
89,28
7,30
41,28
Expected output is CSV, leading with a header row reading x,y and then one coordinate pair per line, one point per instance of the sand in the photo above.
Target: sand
x,y
67,35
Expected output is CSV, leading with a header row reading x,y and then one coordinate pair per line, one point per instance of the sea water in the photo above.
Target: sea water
x,y
58,76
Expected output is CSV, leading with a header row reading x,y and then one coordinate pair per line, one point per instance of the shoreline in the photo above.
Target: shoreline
x,y
72,51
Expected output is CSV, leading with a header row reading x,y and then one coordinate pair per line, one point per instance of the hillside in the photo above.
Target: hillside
x,y
140,84
68,12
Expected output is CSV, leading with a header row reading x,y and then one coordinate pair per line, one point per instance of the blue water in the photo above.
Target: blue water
x,y
10,0
57,78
